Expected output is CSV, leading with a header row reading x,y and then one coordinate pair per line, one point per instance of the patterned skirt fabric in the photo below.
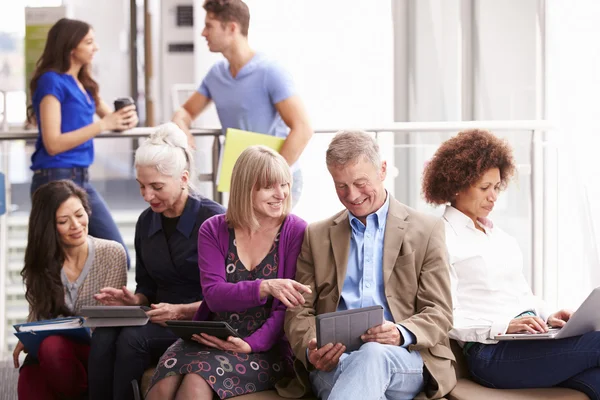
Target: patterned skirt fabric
x,y
229,374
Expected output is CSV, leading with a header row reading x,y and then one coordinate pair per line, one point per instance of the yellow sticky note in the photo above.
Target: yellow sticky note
x,y
237,141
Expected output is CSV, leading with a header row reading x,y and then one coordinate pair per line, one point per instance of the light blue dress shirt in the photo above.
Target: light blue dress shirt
x,y
363,285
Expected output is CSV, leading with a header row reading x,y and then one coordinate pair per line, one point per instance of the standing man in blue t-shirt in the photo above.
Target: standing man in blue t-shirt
x,y
250,91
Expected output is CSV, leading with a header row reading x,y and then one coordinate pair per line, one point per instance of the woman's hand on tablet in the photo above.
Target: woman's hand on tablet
x,y
231,344
162,312
116,297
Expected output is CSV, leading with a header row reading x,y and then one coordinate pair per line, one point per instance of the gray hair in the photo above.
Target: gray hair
x,y
168,151
348,146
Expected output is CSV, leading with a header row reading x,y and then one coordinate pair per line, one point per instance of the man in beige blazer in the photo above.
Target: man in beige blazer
x,y
376,252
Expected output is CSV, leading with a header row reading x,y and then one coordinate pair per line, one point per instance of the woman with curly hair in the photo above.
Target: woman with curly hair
x,y
490,293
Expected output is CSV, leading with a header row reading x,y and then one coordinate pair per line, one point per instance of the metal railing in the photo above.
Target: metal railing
x,y
535,130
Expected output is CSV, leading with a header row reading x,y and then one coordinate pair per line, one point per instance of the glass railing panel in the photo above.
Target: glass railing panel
x,y
513,209
113,177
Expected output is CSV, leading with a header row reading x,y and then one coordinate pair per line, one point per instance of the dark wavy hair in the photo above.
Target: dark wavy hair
x,y
230,11
44,255
461,161
64,36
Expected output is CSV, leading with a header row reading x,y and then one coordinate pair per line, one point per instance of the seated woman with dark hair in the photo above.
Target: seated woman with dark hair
x,y
490,293
247,261
64,268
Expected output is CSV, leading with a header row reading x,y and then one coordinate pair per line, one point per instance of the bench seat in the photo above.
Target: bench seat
x,y
466,389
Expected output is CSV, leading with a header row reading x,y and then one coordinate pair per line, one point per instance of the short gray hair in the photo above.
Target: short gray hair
x,y
167,150
348,146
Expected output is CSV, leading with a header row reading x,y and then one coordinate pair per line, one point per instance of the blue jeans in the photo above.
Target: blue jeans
x,y
572,363
120,355
102,224
375,371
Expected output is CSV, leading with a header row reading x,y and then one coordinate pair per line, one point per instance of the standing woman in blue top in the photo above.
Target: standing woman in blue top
x,y
64,100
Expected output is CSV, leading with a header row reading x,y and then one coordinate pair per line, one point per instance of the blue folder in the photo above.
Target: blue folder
x,y
32,339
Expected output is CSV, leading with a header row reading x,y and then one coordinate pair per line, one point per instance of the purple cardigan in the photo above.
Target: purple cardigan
x,y
219,295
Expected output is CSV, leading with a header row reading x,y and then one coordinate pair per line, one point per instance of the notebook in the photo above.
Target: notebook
x,y
31,334
584,320
236,141
111,316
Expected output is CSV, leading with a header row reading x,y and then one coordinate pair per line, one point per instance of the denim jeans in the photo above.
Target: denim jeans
x,y
375,371
572,362
120,355
102,224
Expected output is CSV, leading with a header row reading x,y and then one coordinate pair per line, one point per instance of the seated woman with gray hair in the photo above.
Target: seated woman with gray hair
x,y
247,261
166,270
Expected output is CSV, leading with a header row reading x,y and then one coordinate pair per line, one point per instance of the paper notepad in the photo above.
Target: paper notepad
x,y
236,141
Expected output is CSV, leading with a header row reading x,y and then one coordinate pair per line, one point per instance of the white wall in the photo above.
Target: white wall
x,y
454,62
110,20
572,87
505,51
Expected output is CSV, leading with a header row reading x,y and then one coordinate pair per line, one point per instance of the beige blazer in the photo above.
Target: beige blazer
x,y
417,287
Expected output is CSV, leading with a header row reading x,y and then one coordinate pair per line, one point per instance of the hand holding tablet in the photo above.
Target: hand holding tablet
x,y
218,329
347,327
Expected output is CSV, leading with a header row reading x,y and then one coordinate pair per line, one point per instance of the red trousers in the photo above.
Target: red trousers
x,y
61,371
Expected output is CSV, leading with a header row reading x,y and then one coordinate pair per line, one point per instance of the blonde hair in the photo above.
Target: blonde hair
x,y
257,167
167,150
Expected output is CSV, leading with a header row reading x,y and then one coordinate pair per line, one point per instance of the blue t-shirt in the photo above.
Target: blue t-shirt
x,y
248,101
76,111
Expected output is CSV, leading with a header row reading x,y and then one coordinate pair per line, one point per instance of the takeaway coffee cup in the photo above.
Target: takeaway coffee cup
x,y
122,102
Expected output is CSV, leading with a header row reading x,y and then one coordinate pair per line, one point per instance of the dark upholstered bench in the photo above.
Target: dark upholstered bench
x,y
466,389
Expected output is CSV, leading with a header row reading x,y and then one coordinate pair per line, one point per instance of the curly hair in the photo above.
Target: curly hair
x,y
460,162
230,11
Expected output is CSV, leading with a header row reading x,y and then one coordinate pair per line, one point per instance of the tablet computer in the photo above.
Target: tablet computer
x,y
346,327
114,316
185,329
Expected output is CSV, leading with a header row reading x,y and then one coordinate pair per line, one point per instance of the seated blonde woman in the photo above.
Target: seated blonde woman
x,y
490,293
247,260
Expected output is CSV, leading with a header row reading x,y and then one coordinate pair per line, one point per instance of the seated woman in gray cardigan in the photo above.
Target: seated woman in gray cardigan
x,y
247,260
64,268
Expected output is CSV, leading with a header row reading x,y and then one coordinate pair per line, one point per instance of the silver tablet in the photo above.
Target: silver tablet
x,y
346,327
110,316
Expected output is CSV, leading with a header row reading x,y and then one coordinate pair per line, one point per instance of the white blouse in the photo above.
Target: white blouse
x,y
488,285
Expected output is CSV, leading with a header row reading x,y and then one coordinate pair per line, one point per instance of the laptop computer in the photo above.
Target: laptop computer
x,y
584,320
